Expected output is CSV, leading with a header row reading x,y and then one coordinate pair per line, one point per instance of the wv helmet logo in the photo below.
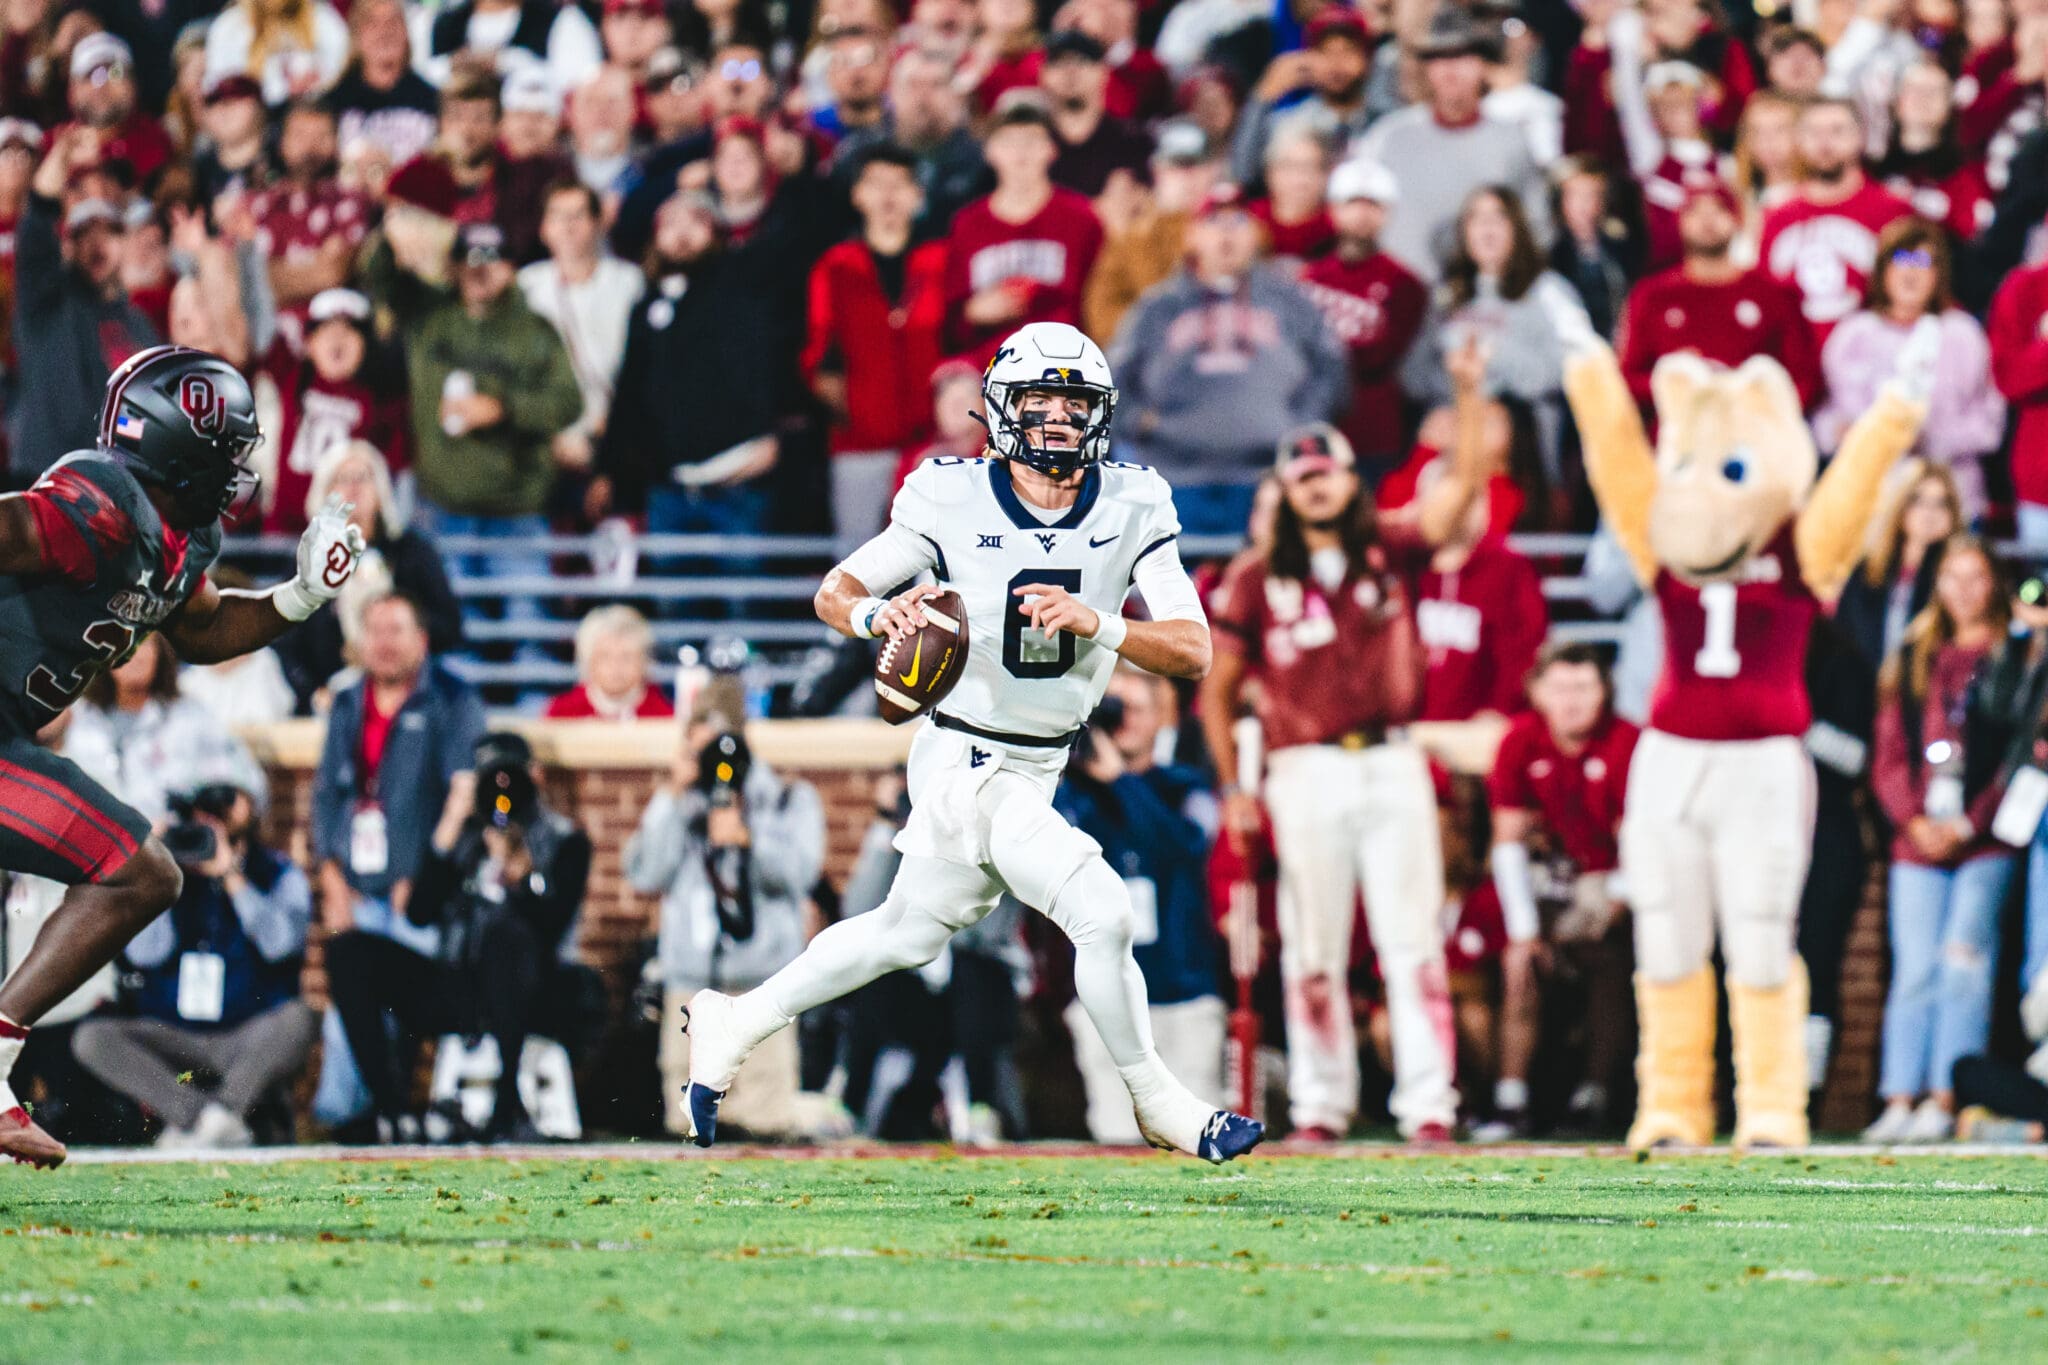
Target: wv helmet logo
x,y
977,757
1059,372
1045,540
203,404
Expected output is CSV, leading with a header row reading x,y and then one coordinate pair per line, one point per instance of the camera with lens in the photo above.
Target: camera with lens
x,y
722,767
191,841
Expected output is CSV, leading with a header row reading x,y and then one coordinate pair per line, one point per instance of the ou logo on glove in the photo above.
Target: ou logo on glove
x,y
340,563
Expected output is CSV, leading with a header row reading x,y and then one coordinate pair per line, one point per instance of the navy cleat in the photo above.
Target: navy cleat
x,y
1228,1135
702,1102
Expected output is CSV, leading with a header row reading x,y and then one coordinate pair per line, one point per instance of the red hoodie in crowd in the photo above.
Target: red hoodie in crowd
x,y
886,347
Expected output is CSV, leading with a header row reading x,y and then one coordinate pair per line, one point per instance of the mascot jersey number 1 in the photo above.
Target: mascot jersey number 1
x,y
1727,525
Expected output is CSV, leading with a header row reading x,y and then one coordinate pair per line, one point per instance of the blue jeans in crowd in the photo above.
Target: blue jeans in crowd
x,y
740,509
1944,936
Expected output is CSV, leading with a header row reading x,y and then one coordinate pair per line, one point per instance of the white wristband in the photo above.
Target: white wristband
x,y
862,618
294,601
1511,882
1110,630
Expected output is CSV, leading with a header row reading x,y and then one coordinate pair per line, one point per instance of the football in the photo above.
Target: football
x,y
914,673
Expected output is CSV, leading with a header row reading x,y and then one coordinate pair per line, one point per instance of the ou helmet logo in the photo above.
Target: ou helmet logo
x,y
203,404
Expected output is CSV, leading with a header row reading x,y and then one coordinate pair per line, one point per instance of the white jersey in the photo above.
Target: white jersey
x,y
984,541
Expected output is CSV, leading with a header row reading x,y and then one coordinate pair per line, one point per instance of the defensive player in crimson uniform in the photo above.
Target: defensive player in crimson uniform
x,y
109,545
1323,624
1824,242
1561,770
1729,528
1713,307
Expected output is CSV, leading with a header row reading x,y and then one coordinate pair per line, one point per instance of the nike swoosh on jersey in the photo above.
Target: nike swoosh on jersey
x,y
1095,544
916,661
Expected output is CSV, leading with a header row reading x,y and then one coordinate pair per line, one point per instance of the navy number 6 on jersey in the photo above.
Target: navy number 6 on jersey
x,y
1026,652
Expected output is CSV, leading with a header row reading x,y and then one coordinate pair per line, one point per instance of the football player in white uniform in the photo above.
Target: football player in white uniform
x,y
1042,539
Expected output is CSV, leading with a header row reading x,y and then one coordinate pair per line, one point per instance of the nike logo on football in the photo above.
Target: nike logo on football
x,y
916,662
1095,544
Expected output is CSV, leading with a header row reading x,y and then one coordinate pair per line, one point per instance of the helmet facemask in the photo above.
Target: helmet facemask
x,y
1012,428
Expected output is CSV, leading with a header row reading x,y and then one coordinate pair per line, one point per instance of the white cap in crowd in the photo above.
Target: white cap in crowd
x,y
1363,178
1662,74
531,90
97,50
329,304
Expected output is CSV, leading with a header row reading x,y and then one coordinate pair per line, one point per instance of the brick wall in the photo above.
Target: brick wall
x,y
607,790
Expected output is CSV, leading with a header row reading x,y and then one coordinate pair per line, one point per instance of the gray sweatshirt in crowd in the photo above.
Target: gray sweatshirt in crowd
x,y
1525,357
1212,380
1436,168
666,855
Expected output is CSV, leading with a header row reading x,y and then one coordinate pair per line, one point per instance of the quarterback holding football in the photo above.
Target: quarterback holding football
x,y
1038,542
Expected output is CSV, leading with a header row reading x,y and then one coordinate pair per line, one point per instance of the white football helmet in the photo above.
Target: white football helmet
x,y
1047,357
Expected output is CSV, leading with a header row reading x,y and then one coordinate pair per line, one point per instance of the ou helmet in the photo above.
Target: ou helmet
x,y
183,420
1048,357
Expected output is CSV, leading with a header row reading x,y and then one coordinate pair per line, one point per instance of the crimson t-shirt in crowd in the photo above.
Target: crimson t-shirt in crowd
x,y
1329,661
318,418
1481,625
1375,306
577,704
1577,796
1725,322
1827,251
1735,651
1313,236
1961,200
1115,145
293,223
1051,253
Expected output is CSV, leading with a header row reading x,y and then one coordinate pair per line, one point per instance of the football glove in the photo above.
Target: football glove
x,y
328,554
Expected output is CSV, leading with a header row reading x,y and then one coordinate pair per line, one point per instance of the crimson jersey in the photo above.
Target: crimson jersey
x,y
1826,251
1735,652
1050,254
1481,625
113,573
1578,796
1329,661
1726,322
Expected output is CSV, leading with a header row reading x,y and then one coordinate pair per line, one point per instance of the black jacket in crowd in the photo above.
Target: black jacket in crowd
x,y
64,329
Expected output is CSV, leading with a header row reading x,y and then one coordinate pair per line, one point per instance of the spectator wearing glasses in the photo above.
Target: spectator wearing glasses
x,y
856,75
1966,413
73,321
614,652
669,96
102,98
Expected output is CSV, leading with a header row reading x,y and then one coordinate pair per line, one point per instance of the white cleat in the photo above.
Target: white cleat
x,y
714,1061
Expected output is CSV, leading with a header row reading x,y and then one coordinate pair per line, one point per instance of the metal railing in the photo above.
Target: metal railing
x,y
772,593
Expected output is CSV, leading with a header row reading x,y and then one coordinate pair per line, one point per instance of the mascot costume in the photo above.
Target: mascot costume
x,y
1728,527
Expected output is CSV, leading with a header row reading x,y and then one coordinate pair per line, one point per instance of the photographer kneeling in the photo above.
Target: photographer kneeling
x,y
215,990
733,849
503,881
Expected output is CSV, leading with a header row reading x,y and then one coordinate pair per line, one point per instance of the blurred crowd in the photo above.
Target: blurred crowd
x,y
505,267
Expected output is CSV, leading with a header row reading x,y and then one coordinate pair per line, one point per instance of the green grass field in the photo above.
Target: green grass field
x,y
1354,1257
